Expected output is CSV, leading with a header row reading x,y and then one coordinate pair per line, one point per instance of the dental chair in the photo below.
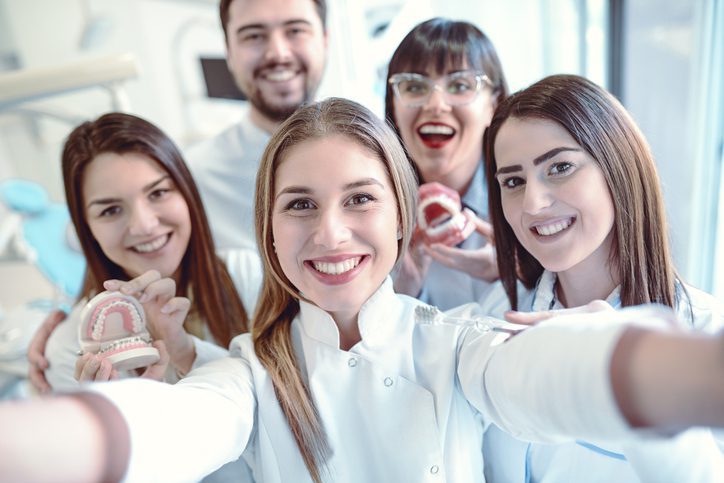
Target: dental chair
x,y
37,231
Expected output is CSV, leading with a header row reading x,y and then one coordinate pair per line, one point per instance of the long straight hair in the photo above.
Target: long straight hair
x,y
601,126
279,299
215,299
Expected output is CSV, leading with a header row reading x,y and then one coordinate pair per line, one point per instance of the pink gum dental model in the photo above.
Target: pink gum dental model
x,y
439,215
113,325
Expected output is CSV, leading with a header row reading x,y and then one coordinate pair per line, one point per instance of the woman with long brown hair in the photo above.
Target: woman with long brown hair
x,y
135,208
578,216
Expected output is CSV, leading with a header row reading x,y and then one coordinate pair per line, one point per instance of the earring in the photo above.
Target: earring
x,y
399,233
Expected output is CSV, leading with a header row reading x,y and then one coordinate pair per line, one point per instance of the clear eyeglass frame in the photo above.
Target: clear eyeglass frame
x,y
419,98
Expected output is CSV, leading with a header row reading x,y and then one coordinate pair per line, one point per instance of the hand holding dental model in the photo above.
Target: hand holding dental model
x,y
440,216
114,327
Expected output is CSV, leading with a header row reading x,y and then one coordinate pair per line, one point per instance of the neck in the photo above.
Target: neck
x,y
458,179
348,329
263,122
591,279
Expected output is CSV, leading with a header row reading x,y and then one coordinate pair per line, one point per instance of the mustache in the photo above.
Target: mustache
x,y
271,65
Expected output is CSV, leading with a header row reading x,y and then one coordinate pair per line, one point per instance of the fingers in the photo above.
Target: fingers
x,y
137,286
91,367
483,227
528,318
36,351
532,318
157,371
177,307
38,380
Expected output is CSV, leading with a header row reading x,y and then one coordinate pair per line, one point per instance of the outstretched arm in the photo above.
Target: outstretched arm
x,y
597,376
98,437
669,380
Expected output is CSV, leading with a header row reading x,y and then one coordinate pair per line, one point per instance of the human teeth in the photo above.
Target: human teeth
x,y
152,245
436,129
279,75
337,268
553,228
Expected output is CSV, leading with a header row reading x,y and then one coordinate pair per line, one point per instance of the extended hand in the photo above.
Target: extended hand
x,y
36,351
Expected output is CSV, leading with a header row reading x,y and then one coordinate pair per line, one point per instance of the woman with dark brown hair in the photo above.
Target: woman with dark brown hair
x,y
444,81
579,216
136,209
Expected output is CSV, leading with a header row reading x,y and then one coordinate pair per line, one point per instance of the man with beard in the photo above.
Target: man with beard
x,y
276,52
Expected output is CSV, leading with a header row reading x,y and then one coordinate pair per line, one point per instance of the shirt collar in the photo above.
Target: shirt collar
x,y
545,294
380,319
476,197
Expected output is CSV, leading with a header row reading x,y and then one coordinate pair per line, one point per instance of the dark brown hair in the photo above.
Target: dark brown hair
x,y
602,127
320,5
279,299
214,296
443,43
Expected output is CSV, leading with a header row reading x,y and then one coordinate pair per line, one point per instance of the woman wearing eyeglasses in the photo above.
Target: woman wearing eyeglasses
x,y
444,82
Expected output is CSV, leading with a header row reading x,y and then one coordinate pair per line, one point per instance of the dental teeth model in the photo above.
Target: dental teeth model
x,y
113,325
439,215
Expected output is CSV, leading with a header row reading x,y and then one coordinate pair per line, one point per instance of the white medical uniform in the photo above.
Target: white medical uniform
x,y
408,403
224,168
692,456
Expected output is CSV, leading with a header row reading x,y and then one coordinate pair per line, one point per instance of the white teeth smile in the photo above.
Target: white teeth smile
x,y
279,75
337,268
152,245
436,129
553,228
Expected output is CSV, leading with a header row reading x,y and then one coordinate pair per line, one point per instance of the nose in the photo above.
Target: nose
x,y
143,220
537,197
278,48
332,229
436,102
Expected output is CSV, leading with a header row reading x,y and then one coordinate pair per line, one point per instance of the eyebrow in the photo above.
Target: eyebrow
x,y
301,190
538,160
150,186
262,26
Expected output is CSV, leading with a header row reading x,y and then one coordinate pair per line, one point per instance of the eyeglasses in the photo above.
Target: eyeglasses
x,y
457,88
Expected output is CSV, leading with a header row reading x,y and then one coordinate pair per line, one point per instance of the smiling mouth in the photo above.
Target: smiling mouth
x,y
153,245
435,134
282,75
336,268
550,229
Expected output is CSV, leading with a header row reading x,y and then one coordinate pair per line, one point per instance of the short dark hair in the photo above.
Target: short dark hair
x,y
443,42
320,5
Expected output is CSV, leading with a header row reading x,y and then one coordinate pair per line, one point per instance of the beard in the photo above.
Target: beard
x,y
277,112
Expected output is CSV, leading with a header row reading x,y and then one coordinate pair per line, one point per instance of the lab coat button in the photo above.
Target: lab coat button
x,y
352,362
434,469
388,381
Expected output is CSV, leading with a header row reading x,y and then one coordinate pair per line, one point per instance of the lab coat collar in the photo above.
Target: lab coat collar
x,y
380,319
545,294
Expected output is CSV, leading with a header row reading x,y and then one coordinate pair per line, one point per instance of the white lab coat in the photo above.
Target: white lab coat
x,y
407,403
224,169
692,456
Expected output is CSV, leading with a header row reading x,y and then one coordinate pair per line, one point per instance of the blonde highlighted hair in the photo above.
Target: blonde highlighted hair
x,y
279,299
